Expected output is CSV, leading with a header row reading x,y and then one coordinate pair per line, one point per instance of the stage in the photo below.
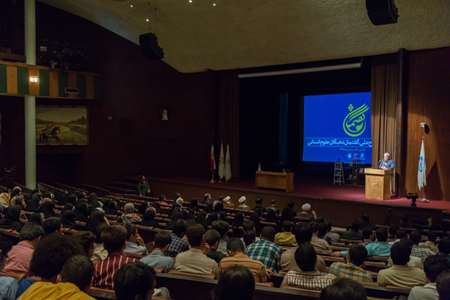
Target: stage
x,y
340,204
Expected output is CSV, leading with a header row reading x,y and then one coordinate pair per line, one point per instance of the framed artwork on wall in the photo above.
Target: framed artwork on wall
x,y
62,125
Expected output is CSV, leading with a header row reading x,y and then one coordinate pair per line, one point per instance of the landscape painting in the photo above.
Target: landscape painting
x,y
61,125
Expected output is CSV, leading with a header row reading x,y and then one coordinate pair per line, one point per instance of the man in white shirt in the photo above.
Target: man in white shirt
x,y
433,266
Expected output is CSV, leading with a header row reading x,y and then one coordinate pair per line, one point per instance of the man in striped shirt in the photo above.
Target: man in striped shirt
x,y
308,278
114,238
237,256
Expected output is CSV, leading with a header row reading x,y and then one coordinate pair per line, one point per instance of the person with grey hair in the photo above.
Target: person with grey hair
x,y
130,215
19,257
386,163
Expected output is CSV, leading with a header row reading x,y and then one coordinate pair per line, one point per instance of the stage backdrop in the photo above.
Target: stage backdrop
x,y
61,125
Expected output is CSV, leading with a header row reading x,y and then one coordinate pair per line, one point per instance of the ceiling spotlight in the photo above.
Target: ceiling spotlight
x,y
214,4
131,5
147,20
190,1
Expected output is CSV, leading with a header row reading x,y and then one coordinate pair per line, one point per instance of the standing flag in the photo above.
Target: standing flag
x,y
422,168
228,165
213,165
221,163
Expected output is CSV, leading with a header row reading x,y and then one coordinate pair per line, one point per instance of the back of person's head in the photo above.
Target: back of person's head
x,y
162,240
249,237
432,236
401,234
235,245
86,239
179,228
30,232
443,285
287,226
381,234
98,232
415,236
13,213
400,252
212,237
322,229
306,257
444,246
303,233
114,237
235,283
129,208
221,226
434,265
367,234
393,229
268,233
131,230
78,270
50,255
51,225
356,225
357,254
36,218
344,289
134,282
194,234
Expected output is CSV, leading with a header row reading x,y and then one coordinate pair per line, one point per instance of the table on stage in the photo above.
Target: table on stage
x,y
275,180
378,183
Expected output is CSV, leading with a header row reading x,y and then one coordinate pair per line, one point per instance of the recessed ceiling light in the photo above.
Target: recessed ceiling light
x,y
147,20
214,4
131,5
190,1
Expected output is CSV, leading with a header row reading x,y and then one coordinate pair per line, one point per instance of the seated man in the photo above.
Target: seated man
x,y
357,254
235,283
417,250
380,247
48,259
344,289
76,278
309,278
303,234
354,232
265,250
178,243
444,247
134,282
400,274
135,245
237,256
156,259
318,242
212,239
286,237
194,261
433,266
19,257
52,225
114,238
443,285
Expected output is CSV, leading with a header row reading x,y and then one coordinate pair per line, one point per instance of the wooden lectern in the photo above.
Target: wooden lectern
x,y
378,183
275,180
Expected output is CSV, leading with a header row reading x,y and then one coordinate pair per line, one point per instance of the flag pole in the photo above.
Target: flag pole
x,y
422,169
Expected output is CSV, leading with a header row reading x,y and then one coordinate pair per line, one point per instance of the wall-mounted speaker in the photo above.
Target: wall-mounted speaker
x,y
150,46
382,12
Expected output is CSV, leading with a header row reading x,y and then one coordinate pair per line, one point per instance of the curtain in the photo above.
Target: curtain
x,y
227,131
387,114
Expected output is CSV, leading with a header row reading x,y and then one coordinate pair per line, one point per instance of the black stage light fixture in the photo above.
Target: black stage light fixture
x,y
382,12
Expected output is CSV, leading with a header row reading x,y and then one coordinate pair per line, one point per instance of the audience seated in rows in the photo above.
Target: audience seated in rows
x,y
265,250
237,256
19,257
286,237
308,278
303,234
401,274
433,266
417,250
443,285
114,240
157,259
194,261
344,289
235,283
357,254
212,239
178,244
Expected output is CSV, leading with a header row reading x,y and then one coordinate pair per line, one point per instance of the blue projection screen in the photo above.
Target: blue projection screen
x,y
337,128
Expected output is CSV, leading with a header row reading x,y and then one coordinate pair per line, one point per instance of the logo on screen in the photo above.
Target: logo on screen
x,y
355,121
